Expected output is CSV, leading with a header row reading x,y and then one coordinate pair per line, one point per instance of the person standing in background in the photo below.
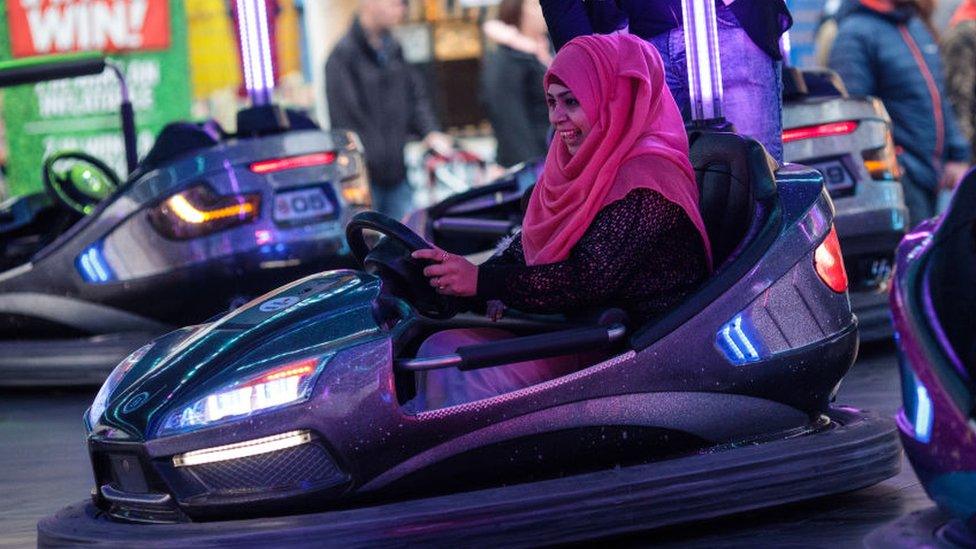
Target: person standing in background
x,y
748,35
511,81
373,91
959,53
884,48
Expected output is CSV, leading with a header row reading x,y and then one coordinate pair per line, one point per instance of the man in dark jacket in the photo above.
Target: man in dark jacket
x,y
884,49
748,34
372,90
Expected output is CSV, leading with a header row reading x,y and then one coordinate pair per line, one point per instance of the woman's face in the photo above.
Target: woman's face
x,y
567,117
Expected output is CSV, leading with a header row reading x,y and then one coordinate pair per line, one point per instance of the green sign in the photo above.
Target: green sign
x,y
83,113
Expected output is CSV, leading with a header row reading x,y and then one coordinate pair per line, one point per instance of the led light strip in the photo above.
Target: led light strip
x,y
702,57
252,21
736,340
243,449
189,213
923,413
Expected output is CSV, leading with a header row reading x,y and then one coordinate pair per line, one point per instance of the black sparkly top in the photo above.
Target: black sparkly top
x,y
641,253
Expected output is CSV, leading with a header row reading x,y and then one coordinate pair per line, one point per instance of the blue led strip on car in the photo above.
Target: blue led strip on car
x,y
735,342
92,266
924,418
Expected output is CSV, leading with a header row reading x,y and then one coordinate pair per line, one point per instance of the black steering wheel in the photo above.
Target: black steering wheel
x,y
390,260
83,185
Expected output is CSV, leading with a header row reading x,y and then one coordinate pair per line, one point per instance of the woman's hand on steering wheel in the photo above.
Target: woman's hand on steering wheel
x,y
450,274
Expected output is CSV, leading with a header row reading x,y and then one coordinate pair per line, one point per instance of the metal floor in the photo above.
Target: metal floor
x,y
44,466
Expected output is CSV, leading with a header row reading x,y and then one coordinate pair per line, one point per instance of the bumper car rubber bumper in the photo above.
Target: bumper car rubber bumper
x,y
66,362
858,449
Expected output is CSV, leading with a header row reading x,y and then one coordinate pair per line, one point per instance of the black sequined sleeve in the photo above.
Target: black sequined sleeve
x,y
624,242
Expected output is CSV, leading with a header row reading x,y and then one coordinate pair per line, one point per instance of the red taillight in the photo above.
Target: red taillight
x,y
830,263
820,130
292,162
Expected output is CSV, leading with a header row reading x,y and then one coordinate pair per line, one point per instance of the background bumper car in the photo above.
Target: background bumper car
x,y
932,304
849,140
205,222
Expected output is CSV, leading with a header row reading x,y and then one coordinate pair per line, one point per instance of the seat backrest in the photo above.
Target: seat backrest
x,y
734,173
824,83
806,83
175,140
739,207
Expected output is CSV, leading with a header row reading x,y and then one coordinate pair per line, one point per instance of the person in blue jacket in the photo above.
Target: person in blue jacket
x,y
885,49
748,34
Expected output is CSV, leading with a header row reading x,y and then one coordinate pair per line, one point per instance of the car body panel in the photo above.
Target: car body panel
x,y
936,423
377,445
871,216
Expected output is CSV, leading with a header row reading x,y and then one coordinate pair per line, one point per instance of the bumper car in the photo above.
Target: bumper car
x,y
290,419
205,222
849,140
932,303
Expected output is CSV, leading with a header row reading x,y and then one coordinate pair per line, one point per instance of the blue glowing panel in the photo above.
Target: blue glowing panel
x,y
923,413
737,342
92,266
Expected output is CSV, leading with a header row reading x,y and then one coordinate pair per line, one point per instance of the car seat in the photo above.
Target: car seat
x,y
809,83
737,201
177,139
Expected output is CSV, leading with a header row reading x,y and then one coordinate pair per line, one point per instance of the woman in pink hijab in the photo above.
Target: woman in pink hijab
x,y
612,222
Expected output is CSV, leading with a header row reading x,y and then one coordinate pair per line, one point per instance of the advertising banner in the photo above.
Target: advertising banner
x,y
40,27
147,38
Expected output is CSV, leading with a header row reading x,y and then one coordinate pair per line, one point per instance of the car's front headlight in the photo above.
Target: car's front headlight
x,y
269,389
112,383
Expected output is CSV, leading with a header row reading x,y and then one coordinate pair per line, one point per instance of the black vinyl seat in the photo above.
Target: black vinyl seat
x,y
801,84
177,139
735,177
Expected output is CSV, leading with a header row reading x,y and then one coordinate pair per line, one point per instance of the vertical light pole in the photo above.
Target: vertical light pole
x,y
704,63
252,21
786,48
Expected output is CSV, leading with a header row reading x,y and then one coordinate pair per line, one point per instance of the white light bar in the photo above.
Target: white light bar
x,y
704,64
252,22
786,48
243,449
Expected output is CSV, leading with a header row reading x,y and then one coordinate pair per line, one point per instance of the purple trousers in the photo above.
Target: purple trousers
x,y
450,386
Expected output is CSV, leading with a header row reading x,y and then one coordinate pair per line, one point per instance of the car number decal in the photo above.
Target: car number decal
x,y
302,204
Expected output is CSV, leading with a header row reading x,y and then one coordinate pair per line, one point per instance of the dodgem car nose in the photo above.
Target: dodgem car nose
x,y
264,355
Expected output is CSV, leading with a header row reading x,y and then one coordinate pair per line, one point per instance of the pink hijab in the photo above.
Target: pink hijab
x,y
619,82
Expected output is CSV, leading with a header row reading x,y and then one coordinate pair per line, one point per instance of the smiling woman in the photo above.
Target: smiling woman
x,y
567,116
612,223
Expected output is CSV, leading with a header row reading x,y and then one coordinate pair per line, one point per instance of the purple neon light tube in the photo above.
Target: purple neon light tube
x,y
704,63
252,24
786,48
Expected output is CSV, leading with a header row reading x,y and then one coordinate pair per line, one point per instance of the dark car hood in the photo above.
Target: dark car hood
x,y
315,316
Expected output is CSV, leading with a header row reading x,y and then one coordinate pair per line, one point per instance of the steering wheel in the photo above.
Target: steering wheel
x,y
390,260
83,185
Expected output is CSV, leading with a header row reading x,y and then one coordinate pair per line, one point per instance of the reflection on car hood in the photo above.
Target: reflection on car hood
x,y
315,316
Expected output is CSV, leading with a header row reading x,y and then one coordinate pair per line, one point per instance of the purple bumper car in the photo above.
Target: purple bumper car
x,y
286,422
933,303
